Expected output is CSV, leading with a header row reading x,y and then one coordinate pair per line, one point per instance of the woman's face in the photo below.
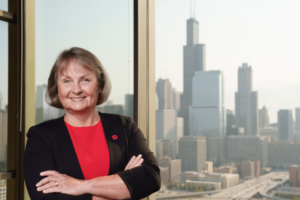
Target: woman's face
x,y
78,88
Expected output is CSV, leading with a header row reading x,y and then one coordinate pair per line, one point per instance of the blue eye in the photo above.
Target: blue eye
x,y
66,81
86,80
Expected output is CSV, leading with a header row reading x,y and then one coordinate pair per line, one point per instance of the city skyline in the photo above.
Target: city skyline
x,y
253,37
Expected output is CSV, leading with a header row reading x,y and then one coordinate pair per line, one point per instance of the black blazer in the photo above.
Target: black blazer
x,y
49,147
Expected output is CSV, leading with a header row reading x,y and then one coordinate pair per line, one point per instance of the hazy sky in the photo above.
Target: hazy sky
x,y
103,27
3,58
263,33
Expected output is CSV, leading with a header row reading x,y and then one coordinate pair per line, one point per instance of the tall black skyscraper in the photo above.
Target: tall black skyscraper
x,y
193,60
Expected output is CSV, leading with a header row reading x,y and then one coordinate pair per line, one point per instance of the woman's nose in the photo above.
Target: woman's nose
x,y
77,88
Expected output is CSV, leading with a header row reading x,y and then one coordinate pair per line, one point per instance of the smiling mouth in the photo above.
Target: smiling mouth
x,y
78,99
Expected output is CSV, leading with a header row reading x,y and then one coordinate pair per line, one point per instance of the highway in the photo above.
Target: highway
x,y
246,189
251,187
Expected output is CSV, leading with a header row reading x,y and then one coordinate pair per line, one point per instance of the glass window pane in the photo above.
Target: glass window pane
x,y
3,101
105,28
228,98
4,5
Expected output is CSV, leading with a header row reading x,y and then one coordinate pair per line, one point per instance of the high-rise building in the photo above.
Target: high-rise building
x,y
164,93
173,165
44,111
166,148
207,113
264,118
297,120
3,135
294,172
246,102
250,168
129,105
166,124
231,127
240,148
193,60
215,149
285,125
192,152
282,154
176,98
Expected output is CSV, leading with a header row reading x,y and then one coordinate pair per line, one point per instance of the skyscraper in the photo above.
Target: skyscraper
x,y
193,60
129,105
193,153
246,102
164,93
166,124
297,123
285,125
207,112
264,118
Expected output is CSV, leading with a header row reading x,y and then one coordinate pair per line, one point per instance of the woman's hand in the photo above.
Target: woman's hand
x,y
61,183
57,182
134,162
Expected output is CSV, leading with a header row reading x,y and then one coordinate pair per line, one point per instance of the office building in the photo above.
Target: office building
x,y
246,102
209,167
164,174
215,149
129,105
282,154
285,125
228,168
250,168
207,113
3,135
109,107
297,120
227,180
44,111
264,118
193,153
164,93
176,98
166,148
166,124
240,148
180,129
174,166
231,127
193,60
294,172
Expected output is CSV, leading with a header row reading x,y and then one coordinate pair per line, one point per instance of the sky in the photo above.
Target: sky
x,y
262,33
3,58
103,27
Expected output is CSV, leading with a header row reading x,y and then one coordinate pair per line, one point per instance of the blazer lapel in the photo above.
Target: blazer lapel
x,y
68,163
116,141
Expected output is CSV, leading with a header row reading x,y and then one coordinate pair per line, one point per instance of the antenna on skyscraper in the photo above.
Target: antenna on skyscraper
x,y
195,9
191,9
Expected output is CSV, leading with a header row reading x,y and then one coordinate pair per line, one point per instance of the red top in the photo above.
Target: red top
x,y
91,149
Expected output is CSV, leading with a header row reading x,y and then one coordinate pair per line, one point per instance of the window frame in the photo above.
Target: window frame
x,y
144,71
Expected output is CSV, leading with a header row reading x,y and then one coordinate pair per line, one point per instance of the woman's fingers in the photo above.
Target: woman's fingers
x,y
46,186
134,162
130,162
46,180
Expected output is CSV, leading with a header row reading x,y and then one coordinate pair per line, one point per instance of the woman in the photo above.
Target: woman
x,y
86,155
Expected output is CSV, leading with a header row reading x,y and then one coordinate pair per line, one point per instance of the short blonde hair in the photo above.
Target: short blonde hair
x,y
87,60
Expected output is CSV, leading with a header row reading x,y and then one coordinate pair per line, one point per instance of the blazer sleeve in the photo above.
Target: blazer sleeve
x,y
143,180
39,157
